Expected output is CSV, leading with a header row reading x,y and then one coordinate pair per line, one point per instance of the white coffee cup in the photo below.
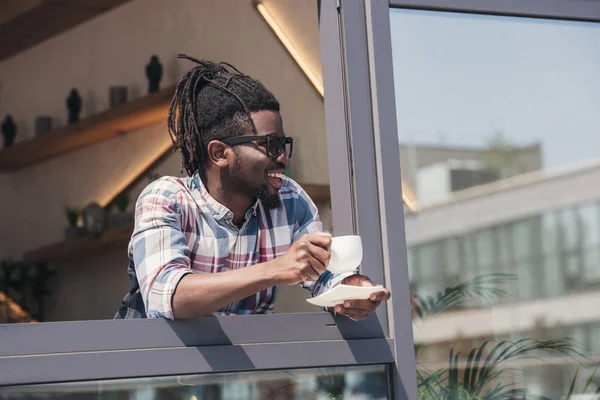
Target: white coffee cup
x,y
346,254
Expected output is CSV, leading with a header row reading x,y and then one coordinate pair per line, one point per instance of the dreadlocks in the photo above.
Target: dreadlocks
x,y
213,101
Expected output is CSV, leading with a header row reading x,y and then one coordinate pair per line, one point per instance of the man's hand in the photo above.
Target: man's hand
x,y
360,309
305,260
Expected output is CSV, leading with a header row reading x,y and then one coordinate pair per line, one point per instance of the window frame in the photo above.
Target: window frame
x,y
61,352
366,189
573,10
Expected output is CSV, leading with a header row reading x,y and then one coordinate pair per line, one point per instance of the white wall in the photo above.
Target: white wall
x,y
433,182
113,50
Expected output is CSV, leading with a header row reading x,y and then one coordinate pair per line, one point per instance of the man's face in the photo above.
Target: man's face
x,y
253,172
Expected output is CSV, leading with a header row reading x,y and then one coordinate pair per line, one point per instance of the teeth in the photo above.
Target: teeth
x,y
275,175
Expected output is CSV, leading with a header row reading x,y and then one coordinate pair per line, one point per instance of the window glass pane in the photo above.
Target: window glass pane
x,y
526,282
591,265
452,258
572,269
550,237
595,337
497,119
412,259
569,229
553,281
469,254
590,225
369,382
521,235
276,42
430,260
503,238
485,249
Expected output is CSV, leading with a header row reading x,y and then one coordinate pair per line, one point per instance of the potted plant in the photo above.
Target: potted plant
x,y
121,217
28,286
72,230
480,375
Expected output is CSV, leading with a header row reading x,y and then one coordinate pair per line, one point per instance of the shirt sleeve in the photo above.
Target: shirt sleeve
x,y
308,221
159,249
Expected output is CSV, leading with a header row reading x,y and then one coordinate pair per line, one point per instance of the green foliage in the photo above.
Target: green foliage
x,y
27,284
122,201
587,384
484,286
480,376
72,215
483,367
331,384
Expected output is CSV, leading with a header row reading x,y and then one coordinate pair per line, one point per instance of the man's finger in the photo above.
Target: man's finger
x,y
360,304
380,296
317,266
320,239
352,313
320,254
311,274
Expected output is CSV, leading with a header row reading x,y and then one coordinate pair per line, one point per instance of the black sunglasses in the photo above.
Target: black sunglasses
x,y
274,144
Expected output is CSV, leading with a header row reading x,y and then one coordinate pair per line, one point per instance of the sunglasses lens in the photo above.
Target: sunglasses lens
x,y
274,146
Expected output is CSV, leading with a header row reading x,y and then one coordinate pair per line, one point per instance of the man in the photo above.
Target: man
x,y
221,240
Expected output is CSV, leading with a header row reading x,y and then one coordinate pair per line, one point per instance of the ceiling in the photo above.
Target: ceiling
x,y
24,23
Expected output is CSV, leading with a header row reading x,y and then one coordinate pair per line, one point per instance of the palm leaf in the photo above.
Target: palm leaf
x,y
483,286
505,350
452,371
517,394
430,385
590,379
572,387
475,367
498,392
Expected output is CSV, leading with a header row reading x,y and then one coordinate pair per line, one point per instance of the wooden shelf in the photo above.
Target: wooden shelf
x,y
112,239
119,120
82,247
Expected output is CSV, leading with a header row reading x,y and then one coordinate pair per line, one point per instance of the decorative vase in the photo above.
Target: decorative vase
x,y
94,219
73,106
154,71
9,131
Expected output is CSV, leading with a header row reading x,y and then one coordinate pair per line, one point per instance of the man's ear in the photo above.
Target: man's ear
x,y
217,153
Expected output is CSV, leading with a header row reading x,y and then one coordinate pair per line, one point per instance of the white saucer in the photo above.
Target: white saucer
x,y
340,293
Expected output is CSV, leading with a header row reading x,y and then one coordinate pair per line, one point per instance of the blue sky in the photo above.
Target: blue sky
x,y
460,78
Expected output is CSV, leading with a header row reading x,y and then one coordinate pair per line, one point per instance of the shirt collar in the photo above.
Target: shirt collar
x,y
218,210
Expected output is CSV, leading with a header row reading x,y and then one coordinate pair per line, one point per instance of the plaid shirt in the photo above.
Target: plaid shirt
x,y
180,229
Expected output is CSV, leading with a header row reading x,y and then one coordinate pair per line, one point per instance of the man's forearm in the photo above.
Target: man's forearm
x,y
202,294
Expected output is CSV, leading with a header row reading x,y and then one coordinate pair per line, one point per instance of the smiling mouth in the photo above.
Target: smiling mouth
x,y
275,179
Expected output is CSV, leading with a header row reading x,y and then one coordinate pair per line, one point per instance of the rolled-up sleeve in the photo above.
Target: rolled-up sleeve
x,y
159,250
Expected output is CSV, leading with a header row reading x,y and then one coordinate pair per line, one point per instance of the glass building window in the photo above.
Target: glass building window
x,y
550,236
452,259
590,225
522,235
569,230
495,92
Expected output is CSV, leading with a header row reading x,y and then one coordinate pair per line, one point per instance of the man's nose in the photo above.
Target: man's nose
x,y
282,158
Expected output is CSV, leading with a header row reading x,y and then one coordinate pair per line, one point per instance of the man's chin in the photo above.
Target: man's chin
x,y
269,197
